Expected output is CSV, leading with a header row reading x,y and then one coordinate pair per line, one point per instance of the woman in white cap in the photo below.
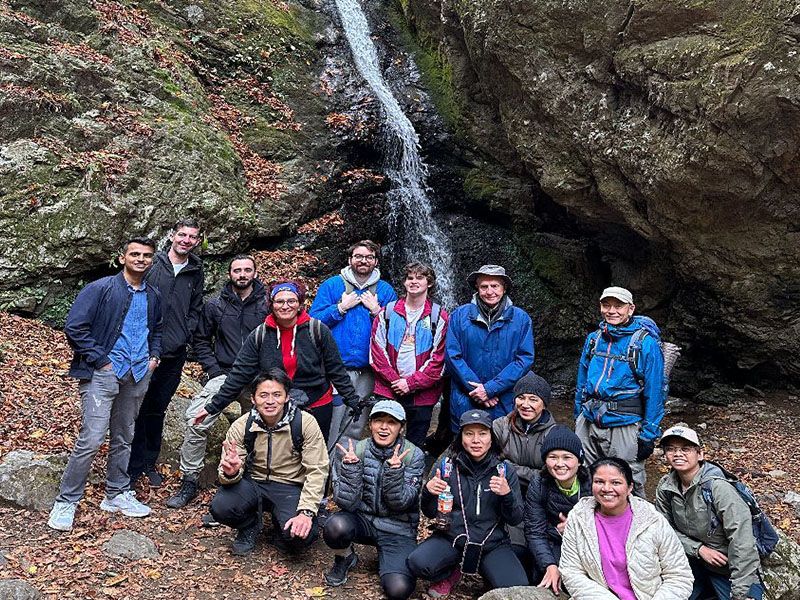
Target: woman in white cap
x,y
713,523
485,498
617,545
377,487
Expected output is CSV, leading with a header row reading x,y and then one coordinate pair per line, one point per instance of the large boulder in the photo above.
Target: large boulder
x,y
175,426
18,589
782,570
30,480
666,134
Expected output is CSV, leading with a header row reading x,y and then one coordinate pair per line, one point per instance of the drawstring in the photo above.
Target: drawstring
x,y
294,338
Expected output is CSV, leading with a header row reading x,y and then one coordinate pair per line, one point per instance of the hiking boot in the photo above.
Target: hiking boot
x,y
186,494
208,520
442,588
62,515
246,537
341,567
154,478
126,503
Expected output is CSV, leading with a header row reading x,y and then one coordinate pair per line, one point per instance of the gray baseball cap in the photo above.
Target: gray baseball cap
x,y
389,407
619,293
489,271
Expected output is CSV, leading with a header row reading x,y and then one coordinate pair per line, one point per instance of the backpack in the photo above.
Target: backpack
x,y
349,288
763,530
361,450
314,329
295,429
436,311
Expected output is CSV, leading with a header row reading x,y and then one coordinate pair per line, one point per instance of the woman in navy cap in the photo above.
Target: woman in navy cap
x,y
485,498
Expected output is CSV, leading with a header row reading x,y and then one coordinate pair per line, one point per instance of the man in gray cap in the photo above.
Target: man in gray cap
x,y
619,400
489,347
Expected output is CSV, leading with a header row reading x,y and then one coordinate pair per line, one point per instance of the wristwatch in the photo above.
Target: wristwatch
x,y
306,513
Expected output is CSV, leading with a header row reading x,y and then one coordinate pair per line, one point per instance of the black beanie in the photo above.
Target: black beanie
x,y
562,438
531,383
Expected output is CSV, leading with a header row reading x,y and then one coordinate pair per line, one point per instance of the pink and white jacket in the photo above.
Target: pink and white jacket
x,y
426,383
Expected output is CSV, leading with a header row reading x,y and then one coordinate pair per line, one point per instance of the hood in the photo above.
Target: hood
x,y
348,275
288,415
259,293
635,324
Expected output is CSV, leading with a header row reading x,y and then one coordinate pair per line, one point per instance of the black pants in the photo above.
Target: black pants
x,y
237,506
435,558
345,528
418,421
146,445
323,416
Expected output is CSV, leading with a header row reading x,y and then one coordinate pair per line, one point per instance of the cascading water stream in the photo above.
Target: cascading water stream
x,y
411,222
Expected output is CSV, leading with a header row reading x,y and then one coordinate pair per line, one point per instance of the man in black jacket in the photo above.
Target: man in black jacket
x,y
227,320
178,276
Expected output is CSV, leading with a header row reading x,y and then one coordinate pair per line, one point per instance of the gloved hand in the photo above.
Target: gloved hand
x,y
356,409
644,449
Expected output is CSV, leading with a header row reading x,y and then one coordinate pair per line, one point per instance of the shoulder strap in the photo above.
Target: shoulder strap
x,y
407,445
249,442
348,287
634,350
593,341
387,313
296,429
261,333
361,449
315,330
436,311
373,288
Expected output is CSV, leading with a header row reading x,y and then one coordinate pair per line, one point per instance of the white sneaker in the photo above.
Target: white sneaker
x,y
62,515
127,504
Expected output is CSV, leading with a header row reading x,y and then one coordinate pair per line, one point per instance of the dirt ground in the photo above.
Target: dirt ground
x,y
755,437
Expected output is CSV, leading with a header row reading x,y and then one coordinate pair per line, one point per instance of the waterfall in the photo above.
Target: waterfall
x,y
411,224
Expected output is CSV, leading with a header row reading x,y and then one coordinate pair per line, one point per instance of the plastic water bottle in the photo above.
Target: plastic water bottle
x,y
444,507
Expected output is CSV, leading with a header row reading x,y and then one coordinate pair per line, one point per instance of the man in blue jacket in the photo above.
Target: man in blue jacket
x,y
347,303
619,397
114,328
178,276
489,347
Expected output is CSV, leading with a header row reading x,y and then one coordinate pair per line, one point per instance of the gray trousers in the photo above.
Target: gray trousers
x,y
600,442
109,405
364,382
195,439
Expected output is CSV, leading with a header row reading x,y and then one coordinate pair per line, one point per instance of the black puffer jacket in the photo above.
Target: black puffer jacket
x,y
543,504
388,498
483,508
181,300
225,324
523,449
318,366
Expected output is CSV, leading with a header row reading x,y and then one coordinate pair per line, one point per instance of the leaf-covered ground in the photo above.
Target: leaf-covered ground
x,y
40,412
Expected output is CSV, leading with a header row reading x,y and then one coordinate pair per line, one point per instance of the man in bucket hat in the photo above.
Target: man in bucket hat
x,y
489,347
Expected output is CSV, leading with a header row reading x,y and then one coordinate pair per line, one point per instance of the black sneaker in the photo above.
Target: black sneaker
x,y
209,521
186,494
155,478
341,567
246,537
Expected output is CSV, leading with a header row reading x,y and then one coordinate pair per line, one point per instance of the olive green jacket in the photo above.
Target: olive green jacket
x,y
690,516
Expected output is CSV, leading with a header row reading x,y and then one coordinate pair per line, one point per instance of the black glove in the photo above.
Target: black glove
x,y
644,449
356,409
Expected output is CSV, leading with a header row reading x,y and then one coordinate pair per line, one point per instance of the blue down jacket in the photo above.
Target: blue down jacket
x,y
388,498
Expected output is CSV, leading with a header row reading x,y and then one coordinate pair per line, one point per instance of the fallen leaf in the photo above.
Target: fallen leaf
x,y
315,592
115,580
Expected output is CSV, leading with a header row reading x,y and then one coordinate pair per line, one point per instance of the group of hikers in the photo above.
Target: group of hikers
x,y
338,401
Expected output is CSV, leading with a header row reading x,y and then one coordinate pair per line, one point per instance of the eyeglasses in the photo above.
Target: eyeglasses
x,y
289,302
679,449
364,257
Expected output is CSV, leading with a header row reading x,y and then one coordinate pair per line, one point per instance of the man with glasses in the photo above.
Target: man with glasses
x,y
347,303
227,320
177,274
724,558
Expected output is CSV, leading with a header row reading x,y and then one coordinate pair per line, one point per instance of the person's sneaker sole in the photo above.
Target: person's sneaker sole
x,y
58,527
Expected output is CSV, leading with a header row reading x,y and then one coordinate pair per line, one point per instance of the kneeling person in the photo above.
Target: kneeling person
x,y
377,488
273,458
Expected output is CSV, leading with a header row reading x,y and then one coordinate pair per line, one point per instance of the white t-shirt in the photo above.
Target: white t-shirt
x,y
177,267
407,355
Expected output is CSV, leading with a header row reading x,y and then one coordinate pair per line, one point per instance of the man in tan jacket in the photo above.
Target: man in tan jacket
x,y
275,459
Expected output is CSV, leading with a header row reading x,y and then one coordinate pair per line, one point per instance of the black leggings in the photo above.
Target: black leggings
x,y
345,528
323,416
435,558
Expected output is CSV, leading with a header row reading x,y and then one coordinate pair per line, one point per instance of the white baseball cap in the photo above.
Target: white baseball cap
x,y
619,293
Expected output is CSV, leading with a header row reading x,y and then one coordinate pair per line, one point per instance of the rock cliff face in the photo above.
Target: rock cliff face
x,y
666,133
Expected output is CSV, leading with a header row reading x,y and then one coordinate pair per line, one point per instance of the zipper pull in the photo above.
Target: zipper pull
x,y
478,505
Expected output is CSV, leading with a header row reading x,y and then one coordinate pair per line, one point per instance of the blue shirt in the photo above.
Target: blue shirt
x,y
131,351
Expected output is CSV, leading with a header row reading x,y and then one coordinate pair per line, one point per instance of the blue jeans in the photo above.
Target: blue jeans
x,y
708,584
109,404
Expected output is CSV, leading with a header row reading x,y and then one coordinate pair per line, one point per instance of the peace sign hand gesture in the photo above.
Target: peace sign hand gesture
x,y
231,462
349,455
396,461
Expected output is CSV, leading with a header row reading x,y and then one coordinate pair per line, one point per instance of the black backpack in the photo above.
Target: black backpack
x,y
295,429
314,328
763,531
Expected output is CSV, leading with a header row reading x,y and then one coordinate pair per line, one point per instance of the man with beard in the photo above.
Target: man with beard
x,y
227,320
177,274
489,347
347,303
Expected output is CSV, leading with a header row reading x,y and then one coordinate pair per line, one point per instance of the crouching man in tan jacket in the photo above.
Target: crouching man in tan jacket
x,y
275,459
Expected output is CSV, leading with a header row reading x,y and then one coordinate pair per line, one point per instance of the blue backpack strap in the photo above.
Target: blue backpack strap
x,y
708,498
